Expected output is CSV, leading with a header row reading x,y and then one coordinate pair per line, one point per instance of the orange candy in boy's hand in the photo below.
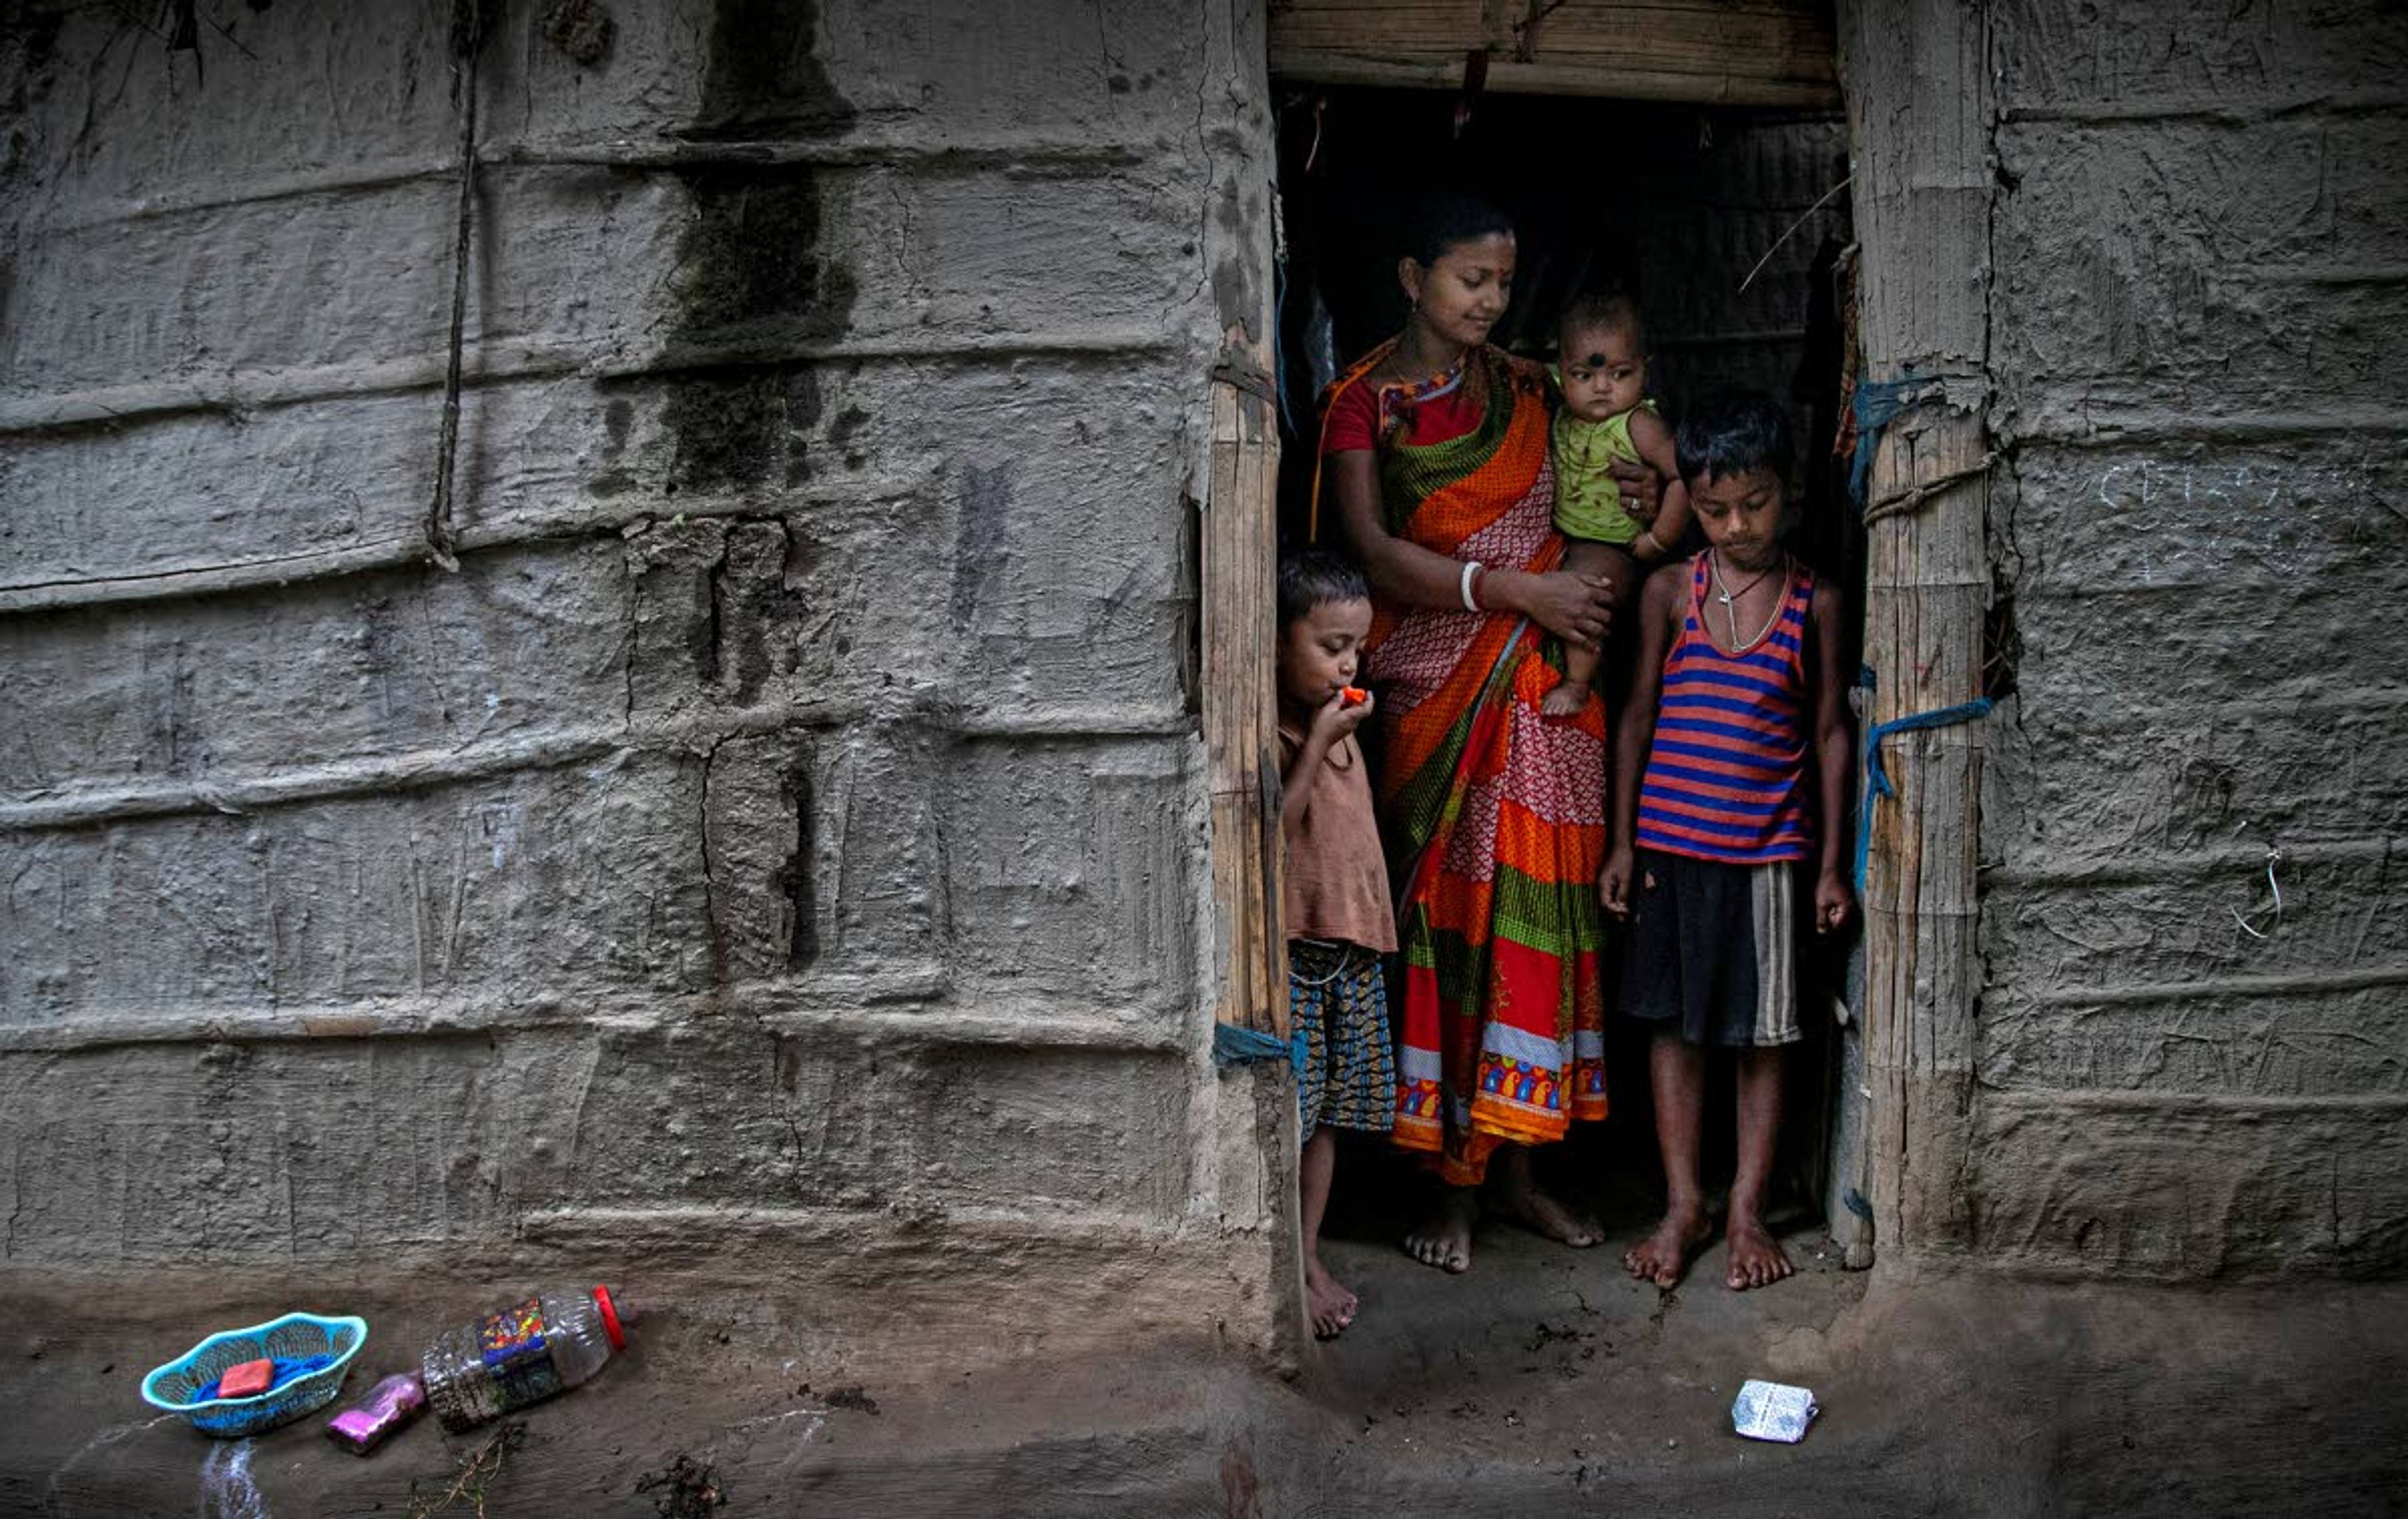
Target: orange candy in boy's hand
x,y
1353,697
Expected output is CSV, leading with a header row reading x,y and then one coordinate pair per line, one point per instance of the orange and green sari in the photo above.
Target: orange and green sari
x,y
1493,817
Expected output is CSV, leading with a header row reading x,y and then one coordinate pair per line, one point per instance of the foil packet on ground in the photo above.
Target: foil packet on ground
x,y
1773,1410
371,1420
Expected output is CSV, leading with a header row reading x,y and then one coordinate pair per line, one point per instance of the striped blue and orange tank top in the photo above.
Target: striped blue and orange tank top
x,y
1726,774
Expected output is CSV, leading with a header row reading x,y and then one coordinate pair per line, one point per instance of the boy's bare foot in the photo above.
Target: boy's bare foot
x,y
1519,1196
1444,1239
1755,1257
1328,1300
1663,1256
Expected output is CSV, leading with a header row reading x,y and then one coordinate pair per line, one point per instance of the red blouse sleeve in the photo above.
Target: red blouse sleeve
x,y
1354,420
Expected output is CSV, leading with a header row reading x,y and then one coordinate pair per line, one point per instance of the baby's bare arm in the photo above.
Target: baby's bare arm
x,y
1652,436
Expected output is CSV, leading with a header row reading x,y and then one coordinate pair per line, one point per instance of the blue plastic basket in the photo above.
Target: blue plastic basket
x,y
295,1336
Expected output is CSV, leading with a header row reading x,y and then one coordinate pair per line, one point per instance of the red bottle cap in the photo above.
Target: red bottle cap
x,y
609,1317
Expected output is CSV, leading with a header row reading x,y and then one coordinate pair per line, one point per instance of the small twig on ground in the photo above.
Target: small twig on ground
x,y
477,1474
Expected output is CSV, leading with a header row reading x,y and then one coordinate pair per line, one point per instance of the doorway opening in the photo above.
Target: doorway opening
x,y
1727,227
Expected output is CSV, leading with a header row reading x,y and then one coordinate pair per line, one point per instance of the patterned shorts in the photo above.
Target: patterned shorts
x,y
1337,1004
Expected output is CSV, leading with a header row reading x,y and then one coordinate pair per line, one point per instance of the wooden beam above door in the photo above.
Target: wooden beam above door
x,y
1759,53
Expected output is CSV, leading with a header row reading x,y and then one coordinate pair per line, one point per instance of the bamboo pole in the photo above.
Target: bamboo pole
x,y
1240,716
1919,110
1239,615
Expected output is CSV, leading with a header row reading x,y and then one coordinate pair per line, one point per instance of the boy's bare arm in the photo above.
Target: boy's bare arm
x,y
1658,615
1295,781
1652,436
1834,754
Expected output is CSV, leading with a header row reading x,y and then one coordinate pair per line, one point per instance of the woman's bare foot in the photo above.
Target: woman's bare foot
x,y
1328,1300
1664,1255
1518,1194
1444,1239
1755,1257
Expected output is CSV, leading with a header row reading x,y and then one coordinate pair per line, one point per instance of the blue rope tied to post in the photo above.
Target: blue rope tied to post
x,y
1235,1046
1876,404
1877,782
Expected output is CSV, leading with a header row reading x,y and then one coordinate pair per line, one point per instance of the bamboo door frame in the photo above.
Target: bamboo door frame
x,y
1916,86
1237,618
1916,78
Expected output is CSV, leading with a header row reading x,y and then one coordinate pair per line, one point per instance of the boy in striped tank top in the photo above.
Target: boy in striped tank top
x,y
1731,776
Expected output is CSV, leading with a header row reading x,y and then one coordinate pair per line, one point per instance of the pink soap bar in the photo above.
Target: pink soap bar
x,y
389,1405
248,1380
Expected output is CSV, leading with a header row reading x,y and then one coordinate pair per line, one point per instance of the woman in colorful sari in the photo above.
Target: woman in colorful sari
x,y
1434,451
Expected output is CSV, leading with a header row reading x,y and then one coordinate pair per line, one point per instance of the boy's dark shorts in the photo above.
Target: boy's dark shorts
x,y
1712,952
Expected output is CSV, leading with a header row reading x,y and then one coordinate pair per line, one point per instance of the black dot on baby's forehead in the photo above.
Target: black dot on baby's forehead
x,y
1595,361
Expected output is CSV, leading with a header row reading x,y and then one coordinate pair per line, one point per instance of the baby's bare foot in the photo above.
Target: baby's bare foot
x,y
1332,1305
1565,700
1443,1239
1665,1254
1755,1257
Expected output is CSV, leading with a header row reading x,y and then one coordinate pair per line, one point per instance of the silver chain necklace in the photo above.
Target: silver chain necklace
x,y
1729,599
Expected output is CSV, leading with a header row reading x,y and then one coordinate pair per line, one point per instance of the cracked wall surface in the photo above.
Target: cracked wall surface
x,y
784,831
2195,316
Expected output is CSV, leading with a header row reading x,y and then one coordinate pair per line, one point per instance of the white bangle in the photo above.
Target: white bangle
x,y
1469,571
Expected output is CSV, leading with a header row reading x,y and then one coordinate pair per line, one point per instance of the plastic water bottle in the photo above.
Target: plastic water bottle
x,y
520,1355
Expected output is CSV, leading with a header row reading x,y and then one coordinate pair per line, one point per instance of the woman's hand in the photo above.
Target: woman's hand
x,y
1643,489
1577,609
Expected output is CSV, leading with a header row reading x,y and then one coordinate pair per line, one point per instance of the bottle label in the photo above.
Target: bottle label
x,y
516,1356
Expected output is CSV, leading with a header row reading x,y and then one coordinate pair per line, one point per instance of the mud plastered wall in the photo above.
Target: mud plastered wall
x,y
779,846
2198,294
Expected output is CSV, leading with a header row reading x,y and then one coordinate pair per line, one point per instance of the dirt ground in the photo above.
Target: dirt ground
x,y
1543,1380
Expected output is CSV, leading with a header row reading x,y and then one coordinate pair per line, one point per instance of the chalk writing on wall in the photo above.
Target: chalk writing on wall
x,y
2185,522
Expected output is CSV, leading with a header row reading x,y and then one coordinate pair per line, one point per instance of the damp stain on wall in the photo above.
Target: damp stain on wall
x,y
756,278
